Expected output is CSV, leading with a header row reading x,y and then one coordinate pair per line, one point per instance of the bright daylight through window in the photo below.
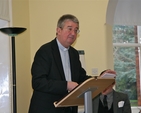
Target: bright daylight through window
x,y
127,64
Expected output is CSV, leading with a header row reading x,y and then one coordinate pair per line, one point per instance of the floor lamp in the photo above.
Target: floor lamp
x,y
12,32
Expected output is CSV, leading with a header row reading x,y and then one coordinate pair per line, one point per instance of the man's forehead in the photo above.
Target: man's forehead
x,y
70,23
69,26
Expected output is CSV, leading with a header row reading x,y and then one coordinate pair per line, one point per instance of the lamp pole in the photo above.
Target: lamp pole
x,y
13,31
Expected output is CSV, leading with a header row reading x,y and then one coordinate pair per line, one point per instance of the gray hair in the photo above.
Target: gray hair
x,y
65,18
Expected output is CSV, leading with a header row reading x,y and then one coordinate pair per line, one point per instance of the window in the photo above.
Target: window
x,y
5,70
127,63
5,60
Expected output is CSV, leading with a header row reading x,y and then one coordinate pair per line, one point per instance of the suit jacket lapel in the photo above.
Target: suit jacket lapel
x,y
71,64
115,102
57,58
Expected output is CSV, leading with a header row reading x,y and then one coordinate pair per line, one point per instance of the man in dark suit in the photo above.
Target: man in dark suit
x,y
111,101
56,69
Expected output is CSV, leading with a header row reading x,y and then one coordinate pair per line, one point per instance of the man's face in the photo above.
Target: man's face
x,y
67,35
108,90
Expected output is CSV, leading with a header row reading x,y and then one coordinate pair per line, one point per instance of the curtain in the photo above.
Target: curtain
x,y
4,12
5,61
123,12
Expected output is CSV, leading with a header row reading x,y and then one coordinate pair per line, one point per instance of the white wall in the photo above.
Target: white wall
x,y
5,75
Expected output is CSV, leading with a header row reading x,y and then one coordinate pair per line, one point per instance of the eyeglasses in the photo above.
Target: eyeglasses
x,y
70,29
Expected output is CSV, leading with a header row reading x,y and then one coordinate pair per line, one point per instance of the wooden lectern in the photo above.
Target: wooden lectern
x,y
84,93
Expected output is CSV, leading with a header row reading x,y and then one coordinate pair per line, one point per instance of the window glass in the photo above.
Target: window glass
x,y
126,51
125,66
124,34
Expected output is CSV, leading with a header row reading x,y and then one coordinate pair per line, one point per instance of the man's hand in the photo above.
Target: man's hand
x,y
71,85
110,71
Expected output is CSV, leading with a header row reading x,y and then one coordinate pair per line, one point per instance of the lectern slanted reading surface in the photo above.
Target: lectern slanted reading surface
x,y
76,96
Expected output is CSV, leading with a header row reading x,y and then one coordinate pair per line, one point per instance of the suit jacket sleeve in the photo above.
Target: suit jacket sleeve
x,y
47,77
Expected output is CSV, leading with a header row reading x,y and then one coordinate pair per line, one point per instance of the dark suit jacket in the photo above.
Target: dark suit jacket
x,y
117,103
48,79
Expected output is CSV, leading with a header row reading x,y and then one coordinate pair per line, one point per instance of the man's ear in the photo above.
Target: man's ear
x,y
58,30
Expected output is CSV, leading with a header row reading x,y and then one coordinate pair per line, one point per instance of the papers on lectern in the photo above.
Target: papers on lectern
x,y
108,75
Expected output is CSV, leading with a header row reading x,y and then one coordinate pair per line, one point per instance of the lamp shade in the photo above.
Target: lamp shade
x,y
12,31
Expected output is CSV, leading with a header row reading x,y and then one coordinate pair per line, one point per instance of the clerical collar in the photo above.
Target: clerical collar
x,y
61,46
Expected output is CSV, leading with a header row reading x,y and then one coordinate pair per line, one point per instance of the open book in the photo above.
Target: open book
x,y
107,75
